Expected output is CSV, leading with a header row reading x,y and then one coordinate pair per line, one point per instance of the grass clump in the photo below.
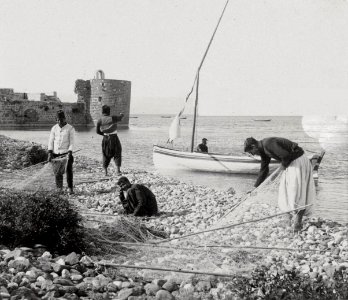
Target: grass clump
x,y
40,218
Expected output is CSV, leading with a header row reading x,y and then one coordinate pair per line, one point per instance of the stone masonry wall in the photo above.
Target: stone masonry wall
x,y
115,93
37,113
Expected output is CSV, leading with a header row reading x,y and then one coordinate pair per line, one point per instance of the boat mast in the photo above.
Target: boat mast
x,y
197,78
195,113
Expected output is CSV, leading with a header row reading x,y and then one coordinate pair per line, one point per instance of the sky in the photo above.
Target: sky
x,y
269,57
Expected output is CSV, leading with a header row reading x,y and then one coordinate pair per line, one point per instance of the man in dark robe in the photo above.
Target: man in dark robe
x,y
137,199
111,145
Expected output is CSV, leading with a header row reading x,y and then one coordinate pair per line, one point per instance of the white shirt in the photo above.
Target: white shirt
x,y
61,139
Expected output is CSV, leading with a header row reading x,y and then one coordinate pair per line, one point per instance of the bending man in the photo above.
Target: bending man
x,y
137,199
111,145
296,187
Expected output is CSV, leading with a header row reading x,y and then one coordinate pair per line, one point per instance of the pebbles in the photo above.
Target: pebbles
x,y
321,249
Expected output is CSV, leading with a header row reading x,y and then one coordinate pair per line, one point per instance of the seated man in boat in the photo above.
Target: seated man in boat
x,y
137,199
296,188
203,146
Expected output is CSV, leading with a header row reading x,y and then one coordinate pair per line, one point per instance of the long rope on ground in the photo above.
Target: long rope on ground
x,y
199,247
105,264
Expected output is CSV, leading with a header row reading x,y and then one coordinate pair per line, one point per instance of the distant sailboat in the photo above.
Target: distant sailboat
x,y
262,120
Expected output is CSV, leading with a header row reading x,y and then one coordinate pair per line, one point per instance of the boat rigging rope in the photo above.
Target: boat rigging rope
x,y
205,54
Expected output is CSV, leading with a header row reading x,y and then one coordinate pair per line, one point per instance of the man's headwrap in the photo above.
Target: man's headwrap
x,y
249,143
106,109
122,179
60,114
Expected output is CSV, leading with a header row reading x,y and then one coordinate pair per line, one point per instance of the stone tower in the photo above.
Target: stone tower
x,y
114,93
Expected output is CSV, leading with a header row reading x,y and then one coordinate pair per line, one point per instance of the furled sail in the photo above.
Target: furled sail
x,y
174,129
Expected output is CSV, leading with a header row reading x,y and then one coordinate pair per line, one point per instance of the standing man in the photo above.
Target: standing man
x,y
111,145
61,142
296,188
203,146
137,199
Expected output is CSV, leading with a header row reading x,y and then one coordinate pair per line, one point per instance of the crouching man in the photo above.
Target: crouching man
x,y
137,199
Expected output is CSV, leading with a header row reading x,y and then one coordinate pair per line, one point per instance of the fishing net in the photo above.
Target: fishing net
x,y
105,239
221,249
39,177
263,200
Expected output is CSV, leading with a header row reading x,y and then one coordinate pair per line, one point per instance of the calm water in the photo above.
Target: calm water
x,y
226,135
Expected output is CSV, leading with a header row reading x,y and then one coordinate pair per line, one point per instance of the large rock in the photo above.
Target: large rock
x,y
4,294
164,295
87,261
12,255
124,294
72,259
62,281
151,289
203,286
170,286
19,263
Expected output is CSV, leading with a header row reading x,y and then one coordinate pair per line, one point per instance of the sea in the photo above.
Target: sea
x,y
226,135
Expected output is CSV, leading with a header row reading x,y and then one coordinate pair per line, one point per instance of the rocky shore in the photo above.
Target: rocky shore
x,y
259,260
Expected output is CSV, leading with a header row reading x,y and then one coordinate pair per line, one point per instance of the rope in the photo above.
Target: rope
x,y
232,225
199,247
205,54
92,181
105,264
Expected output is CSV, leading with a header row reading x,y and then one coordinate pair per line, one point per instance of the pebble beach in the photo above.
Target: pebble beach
x,y
248,249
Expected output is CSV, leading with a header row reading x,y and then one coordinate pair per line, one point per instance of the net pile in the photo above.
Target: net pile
x,y
105,239
39,177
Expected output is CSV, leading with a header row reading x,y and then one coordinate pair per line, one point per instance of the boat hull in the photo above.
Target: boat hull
x,y
164,158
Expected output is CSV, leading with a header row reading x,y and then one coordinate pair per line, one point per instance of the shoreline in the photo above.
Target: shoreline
x,y
318,252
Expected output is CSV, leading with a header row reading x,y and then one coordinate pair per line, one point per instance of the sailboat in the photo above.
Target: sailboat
x,y
165,157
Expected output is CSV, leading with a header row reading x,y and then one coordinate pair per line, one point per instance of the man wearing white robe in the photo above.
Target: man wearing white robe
x,y
296,188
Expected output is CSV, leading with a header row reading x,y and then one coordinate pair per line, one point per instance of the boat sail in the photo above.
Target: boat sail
x,y
169,158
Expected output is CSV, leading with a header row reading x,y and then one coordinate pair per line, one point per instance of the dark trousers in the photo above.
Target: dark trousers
x,y
111,148
69,173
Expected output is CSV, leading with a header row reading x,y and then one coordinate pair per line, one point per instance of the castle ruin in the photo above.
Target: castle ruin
x,y
25,110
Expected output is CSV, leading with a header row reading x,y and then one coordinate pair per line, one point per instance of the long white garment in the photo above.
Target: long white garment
x,y
297,187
